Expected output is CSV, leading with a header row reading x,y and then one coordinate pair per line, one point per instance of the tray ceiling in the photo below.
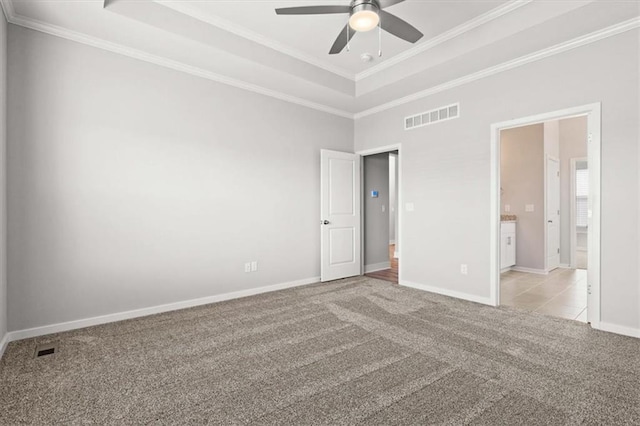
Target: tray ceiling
x,y
243,43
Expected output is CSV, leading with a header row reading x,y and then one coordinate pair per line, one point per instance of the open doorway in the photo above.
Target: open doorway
x,y
380,177
544,221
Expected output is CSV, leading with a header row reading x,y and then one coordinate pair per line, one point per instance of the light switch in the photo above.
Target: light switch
x,y
409,207
507,207
529,208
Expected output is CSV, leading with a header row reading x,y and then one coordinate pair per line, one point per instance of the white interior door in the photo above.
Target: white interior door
x,y
553,213
340,215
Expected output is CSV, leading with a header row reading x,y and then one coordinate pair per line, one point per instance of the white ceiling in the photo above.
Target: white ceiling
x,y
313,35
243,43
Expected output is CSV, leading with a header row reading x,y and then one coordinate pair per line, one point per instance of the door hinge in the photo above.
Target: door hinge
x,y
590,138
558,251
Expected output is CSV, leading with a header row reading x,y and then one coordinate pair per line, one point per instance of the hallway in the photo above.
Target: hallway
x,y
390,274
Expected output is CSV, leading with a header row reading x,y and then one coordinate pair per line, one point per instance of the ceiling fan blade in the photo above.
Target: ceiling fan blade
x,y
341,41
312,10
386,3
399,28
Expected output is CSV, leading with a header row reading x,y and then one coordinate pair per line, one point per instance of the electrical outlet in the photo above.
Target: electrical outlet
x,y
254,266
529,208
507,208
247,267
464,270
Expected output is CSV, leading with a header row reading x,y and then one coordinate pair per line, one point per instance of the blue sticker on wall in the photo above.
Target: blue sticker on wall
x,y
374,194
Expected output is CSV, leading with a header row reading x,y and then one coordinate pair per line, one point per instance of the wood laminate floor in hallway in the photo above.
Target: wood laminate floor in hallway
x,y
390,274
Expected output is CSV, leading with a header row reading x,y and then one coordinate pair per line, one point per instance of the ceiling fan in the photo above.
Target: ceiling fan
x,y
364,15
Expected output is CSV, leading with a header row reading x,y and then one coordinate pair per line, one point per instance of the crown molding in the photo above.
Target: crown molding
x,y
57,31
185,8
163,62
584,40
7,8
446,36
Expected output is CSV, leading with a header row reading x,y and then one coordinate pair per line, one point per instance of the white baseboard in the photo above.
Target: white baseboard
x,y
507,269
396,255
376,267
3,344
392,242
618,329
581,249
564,266
119,316
446,292
529,270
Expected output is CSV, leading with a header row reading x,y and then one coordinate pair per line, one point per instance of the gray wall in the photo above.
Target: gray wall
x,y
132,185
522,182
573,143
3,204
376,221
446,167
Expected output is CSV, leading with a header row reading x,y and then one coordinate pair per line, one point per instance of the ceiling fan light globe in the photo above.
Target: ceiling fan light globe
x,y
364,20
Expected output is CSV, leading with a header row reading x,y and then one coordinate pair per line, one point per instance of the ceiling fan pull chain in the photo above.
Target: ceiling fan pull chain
x,y
380,38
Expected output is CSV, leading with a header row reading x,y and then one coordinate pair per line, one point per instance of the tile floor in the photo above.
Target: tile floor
x,y
562,293
581,259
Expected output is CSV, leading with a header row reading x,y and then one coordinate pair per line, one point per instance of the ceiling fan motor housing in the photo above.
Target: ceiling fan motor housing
x,y
361,5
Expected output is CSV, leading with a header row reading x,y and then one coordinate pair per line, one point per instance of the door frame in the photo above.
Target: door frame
x,y
548,157
380,150
573,239
594,144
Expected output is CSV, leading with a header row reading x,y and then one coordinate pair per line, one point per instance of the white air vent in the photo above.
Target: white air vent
x,y
437,115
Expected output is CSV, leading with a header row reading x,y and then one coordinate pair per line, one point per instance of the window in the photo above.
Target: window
x,y
582,197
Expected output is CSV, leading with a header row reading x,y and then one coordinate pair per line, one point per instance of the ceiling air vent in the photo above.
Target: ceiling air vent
x,y
433,116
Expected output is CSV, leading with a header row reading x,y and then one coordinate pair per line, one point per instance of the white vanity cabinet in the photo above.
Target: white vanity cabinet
x,y
507,244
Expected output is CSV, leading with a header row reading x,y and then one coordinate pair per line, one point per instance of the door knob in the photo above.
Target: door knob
x,y
325,222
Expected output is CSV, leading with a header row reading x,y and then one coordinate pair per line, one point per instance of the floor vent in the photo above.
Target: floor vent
x,y
46,349
433,116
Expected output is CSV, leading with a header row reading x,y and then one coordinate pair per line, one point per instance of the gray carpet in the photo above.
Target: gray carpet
x,y
356,351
